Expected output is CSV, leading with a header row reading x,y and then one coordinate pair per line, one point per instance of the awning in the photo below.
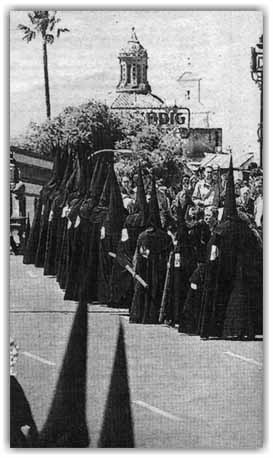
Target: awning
x,y
222,160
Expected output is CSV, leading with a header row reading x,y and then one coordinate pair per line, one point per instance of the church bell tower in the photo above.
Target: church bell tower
x,y
133,61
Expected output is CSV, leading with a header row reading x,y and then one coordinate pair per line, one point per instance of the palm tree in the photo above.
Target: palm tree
x,y
43,24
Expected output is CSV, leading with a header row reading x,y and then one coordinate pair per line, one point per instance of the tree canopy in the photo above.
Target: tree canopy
x,y
94,126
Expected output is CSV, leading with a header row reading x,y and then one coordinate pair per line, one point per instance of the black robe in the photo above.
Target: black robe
x,y
62,269
65,229
33,239
74,252
35,249
41,246
105,262
50,267
244,312
238,257
190,316
47,195
152,253
122,284
183,262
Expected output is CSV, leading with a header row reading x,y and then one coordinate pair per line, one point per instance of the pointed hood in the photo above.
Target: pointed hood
x,y
116,213
182,235
84,165
230,209
98,178
141,202
61,164
77,174
117,429
181,214
154,214
105,195
66,422
68,169
55,169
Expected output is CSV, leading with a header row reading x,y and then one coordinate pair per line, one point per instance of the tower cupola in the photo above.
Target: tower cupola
x,y
133,59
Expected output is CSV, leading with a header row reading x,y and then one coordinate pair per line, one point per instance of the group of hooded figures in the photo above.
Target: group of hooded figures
x,y
209,284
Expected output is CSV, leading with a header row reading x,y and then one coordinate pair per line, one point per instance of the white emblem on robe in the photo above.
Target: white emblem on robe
x,y
124,235
214,253
102,233
177,260
65,211
144,251
77,222
50,218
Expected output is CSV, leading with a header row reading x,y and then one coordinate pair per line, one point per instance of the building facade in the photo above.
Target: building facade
x,y
134,95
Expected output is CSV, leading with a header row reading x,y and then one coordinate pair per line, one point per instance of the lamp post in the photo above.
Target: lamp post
x,y
256,70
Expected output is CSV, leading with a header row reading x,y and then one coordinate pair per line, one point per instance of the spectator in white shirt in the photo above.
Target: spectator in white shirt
x,y
204,193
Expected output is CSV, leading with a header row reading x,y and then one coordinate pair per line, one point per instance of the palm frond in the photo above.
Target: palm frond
x,y
52,23
28,33
49,38
59,31
29,36
23,27
31,18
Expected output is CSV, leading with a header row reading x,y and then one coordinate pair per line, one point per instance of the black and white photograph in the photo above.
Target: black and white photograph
x,y
136,207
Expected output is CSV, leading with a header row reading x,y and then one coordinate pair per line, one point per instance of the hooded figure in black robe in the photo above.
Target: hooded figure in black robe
x,y
47,196
198,236
122,284
56,222
93,213
110,234
62,260
231,302
190,316
81,218
151,257
183,262
33,240
93,229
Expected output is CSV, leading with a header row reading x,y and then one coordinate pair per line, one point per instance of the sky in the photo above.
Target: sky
x,y
83,64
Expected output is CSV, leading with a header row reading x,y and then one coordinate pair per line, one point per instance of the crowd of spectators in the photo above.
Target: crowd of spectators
x,y
203,192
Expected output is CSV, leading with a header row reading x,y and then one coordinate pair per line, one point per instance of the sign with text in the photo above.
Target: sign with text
x,y
171,119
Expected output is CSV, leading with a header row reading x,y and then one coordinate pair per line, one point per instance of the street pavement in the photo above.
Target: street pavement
x,y
185,392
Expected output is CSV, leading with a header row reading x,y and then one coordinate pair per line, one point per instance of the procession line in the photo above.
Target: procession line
x,y
156,410
42,360
248,360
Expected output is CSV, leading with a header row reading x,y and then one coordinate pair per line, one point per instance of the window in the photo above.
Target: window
x,y
123,71
129,73
138,74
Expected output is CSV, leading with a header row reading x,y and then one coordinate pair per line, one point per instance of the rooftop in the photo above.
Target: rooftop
x,y
133,100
